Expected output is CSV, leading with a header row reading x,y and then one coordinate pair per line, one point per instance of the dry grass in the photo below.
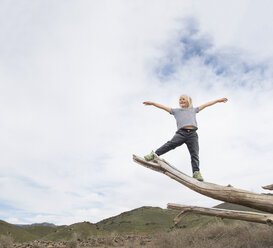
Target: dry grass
x,y
6,242
73,242
218,235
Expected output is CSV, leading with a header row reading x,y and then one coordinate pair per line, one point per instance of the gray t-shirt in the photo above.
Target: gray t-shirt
x,y
185,116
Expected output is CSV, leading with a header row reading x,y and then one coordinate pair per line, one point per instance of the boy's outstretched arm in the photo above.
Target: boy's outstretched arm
x,y
212,103
158,106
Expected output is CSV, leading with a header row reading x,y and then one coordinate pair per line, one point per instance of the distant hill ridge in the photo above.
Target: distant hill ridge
x,y
37,224
142,220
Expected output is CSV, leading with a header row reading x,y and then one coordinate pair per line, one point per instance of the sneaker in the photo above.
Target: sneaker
x,y
150,156
197,175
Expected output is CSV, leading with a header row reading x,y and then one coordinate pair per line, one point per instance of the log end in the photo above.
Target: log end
x,y
268,187
149,164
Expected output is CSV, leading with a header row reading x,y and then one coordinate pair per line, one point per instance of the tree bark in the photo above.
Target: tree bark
x,y
222,213
228,193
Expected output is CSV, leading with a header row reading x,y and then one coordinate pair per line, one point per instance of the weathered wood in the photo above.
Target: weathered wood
x,y
222,213
269,187
223,193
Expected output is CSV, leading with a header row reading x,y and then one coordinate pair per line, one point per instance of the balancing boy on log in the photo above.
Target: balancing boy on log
x,y
186,130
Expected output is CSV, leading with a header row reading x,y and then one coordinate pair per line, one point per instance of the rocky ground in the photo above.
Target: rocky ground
x,y
106,242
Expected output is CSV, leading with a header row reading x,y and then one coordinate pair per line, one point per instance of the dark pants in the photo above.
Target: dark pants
x,y
190,137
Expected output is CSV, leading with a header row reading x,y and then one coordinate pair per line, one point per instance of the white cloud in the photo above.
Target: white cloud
x,y
244,24
72,85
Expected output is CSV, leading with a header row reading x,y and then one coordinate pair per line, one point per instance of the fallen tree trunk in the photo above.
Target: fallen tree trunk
x,y
270,187
224,193
222,213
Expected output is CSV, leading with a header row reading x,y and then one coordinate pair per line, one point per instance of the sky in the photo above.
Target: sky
x,y
74,74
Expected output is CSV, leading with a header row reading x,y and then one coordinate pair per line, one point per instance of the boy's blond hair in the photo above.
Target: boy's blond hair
x,y
188,98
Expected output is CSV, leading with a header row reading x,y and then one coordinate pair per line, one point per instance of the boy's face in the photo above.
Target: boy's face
x,y
183,102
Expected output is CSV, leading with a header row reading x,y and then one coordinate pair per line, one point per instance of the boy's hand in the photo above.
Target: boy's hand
x,y
212,103
223,100
148,103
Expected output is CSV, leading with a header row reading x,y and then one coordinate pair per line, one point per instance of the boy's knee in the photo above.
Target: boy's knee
x,y
172,144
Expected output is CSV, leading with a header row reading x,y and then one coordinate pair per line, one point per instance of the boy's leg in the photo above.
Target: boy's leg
x,y
177,140
193,146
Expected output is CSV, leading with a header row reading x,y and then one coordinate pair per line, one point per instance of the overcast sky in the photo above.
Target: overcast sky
x,y
74,74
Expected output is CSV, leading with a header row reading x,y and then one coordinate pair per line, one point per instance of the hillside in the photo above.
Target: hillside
x,y
19,234
41,231
141,221
232,206
82,230
144,219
